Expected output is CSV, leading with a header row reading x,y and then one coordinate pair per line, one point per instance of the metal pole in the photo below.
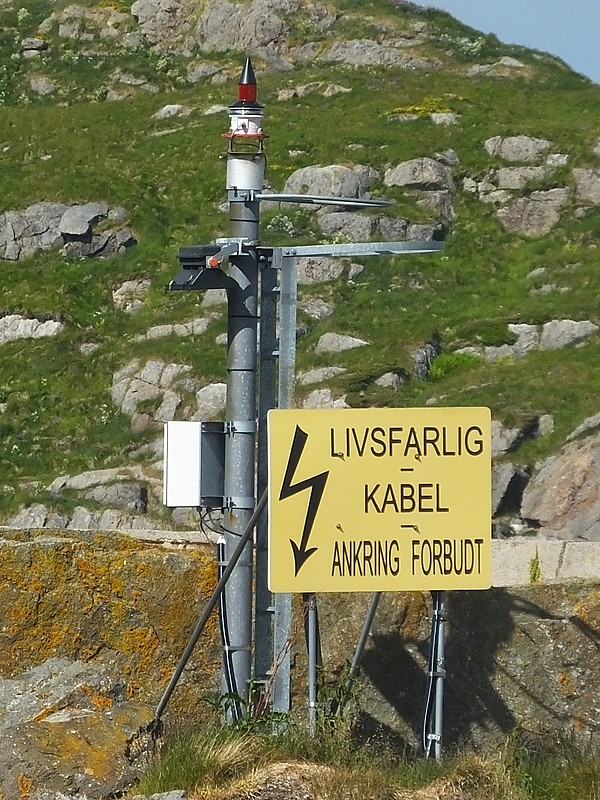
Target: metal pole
x,y
245,177
210,606
282,602
360,648
440,676
312,653
264,606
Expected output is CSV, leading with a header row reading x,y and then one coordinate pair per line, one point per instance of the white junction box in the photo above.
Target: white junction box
x,y
194,458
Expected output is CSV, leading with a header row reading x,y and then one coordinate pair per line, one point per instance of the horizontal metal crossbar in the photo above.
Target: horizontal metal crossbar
x,y
324,200
362,249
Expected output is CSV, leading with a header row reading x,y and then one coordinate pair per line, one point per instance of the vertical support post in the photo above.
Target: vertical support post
x,y
245,180
288,296
440,676
264,609
313,657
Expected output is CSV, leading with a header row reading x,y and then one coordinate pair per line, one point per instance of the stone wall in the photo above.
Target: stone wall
x,y
92,625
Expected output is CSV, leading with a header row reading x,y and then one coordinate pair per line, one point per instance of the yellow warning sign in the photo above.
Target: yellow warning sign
x,y
393,499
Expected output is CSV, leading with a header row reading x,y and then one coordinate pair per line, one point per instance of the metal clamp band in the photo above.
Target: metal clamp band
x,y
240,502
233,426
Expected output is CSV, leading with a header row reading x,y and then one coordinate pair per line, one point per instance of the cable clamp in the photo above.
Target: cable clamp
x,y
240,502
240,426
434,737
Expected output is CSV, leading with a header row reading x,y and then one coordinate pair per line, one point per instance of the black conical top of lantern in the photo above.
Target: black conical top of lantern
x,y
247,90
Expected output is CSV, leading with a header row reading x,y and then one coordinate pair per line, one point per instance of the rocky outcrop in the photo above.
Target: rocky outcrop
x,y
69,726
45,226
333,180
534,215
551,335
14,326
561,499
526,149
92,624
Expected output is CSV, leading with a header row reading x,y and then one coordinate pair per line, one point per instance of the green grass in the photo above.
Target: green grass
x,y
74,148
216,763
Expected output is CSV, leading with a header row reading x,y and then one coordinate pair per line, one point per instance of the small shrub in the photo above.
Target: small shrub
x,y
448,363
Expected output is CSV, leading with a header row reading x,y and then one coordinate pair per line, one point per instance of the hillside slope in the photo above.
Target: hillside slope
x,y
112,115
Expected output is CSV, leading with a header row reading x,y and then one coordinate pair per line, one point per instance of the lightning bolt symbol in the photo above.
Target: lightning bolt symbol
x,y
316,484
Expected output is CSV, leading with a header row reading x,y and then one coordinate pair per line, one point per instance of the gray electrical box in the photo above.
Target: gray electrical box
x,y
194,459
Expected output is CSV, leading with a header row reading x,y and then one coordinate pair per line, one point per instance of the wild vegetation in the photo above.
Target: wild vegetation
x,y
56,415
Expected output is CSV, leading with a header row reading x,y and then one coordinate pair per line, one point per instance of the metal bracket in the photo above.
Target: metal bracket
x,y
239,502
240,426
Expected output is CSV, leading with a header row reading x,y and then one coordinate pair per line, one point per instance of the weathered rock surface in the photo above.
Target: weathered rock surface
x,y
14,326
67,726
333,180
45,226
562,497
517,148
587,183
534,215
337,343
116,613
420,173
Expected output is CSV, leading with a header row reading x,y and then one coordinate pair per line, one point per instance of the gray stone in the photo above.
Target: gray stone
x,y
78,220
214,297
355,227
425,232
34,44
42,85
557,159
393,229
525,149
127,496
502,474
324,398
419,173
199,71
319,270
444,118
562,495
504,439
14,326
319,375
211,401
528,339
367,52
333,180
440,203
587,183
588,424
168,111
316,308
337,343
130,295
518,177
535,215
562,332
389,380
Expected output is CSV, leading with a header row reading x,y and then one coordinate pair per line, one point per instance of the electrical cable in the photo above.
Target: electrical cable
x,y
228,668
428,705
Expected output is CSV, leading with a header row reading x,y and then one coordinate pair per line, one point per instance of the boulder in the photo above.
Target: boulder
x,y
355,227
333,180
69,728
419,173
319,375
316,308
535,215
337,343
367,52
518,177
77,221
251,27
130,295
319,270
14,326
324,398
562,332
562,498
587,185
525,149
